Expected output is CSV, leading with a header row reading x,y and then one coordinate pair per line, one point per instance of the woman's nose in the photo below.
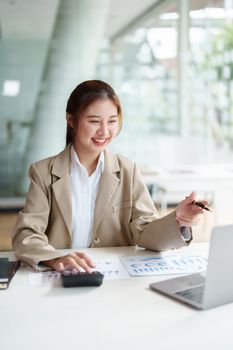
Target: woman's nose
x,y
103,130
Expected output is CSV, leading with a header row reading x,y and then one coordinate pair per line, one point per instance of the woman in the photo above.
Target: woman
x,y
86,196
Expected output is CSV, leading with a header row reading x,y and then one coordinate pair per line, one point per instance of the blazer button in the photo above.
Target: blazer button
x,y
96,240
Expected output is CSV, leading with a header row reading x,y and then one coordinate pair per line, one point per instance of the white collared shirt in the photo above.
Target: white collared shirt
x,y
84,189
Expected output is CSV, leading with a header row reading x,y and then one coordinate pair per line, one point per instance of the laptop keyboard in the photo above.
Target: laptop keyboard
x,y
194,294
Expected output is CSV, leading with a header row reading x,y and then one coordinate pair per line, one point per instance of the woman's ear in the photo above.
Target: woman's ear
x,y
70,120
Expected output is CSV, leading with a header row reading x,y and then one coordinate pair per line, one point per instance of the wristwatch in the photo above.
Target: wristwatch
x,y
186,233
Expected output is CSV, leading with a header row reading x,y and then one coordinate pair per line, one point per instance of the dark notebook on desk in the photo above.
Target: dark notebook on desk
x,y
7,271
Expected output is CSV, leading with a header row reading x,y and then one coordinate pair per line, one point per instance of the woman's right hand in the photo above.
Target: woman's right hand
x,y
76,260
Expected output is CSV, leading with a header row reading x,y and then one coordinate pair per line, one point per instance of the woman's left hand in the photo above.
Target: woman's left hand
x,y
188,214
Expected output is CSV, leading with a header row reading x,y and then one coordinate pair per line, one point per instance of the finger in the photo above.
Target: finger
x,y
77,261
184,222
204,201
84,265
188,218
189,199
195,210
194,215
71,263
59,267
84,256
190,214
191,209
187,221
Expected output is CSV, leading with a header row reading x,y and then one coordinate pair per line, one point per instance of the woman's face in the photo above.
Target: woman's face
x,y
97,125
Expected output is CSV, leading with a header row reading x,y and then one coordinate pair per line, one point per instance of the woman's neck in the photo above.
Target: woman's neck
x,y
89,161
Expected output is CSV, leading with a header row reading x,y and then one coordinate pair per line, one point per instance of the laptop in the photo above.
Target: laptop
x,y
211,288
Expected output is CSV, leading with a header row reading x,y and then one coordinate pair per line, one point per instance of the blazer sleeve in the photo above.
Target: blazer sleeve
x,y
150,231
28,237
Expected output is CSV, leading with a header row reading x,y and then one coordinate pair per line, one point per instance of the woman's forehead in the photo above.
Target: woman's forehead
x,y
101,106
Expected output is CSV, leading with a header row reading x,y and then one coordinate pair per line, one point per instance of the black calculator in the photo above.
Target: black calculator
x,y
73,278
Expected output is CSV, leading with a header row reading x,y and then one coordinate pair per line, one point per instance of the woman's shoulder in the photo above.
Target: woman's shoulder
x,y
44,162
56,163
118,160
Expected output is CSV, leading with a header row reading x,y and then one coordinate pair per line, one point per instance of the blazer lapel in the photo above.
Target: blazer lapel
x,y
108,185
61,186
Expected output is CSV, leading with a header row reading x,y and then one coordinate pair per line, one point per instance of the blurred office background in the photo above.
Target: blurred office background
x,y
171,63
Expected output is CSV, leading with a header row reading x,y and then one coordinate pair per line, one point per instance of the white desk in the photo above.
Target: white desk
x,y
120,314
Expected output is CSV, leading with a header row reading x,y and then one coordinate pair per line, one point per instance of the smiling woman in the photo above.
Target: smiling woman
x,y
94,118
93,130
82,97
87,196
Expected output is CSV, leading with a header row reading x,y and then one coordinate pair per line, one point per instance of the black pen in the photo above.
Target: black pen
x,y
200,205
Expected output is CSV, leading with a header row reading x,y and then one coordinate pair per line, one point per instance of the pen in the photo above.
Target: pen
x,y
200,205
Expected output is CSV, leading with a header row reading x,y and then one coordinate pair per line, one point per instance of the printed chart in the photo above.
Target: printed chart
x,y
112,269
37,279
127,266
163,265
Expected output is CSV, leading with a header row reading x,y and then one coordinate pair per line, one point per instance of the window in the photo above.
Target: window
x,y
173,72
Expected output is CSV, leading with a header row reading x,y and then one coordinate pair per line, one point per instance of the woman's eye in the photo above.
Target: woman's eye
x,y
113,121
93,121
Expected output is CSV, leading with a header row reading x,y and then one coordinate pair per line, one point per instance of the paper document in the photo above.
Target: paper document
x,y
39,279
148,265
111,268
127,266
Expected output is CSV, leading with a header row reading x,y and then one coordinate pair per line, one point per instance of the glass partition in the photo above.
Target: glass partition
x,y
173,72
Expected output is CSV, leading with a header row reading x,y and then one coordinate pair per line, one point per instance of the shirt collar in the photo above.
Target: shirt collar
x,y
75,160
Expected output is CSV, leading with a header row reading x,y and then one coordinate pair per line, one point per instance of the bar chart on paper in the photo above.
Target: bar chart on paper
x,y
163,265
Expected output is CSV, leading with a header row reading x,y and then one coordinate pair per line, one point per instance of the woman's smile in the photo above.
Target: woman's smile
x,y
100,142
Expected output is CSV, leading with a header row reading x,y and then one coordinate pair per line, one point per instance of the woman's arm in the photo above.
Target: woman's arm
x,y
156,233
28,237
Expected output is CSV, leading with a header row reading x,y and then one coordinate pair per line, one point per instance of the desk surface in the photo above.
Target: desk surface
x,y
201,179
120,314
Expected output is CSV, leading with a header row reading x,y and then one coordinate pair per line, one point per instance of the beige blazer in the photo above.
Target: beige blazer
x,y
124,213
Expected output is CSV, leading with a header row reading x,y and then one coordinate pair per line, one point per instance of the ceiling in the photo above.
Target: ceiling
x,y
27,19
33,19
124,12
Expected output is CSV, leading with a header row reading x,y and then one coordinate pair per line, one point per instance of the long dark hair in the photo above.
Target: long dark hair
x,y
85,94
